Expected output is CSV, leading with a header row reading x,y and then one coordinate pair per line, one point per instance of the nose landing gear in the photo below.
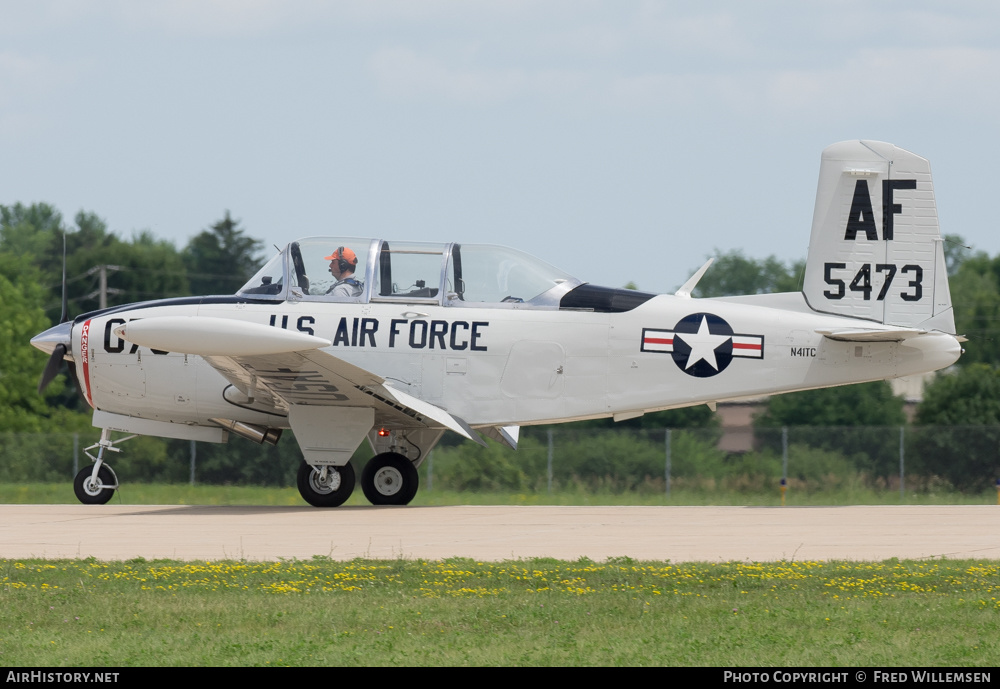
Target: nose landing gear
x,y
96,484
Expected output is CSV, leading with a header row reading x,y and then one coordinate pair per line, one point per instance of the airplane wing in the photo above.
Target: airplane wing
x,y
281,368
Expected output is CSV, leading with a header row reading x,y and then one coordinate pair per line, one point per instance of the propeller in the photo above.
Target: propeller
x,y
60,336
52,366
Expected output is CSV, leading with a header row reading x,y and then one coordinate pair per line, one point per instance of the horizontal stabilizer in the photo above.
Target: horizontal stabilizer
x,y
208,336
870,334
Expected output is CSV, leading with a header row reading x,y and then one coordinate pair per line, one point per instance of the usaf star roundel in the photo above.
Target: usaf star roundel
x,y
702,344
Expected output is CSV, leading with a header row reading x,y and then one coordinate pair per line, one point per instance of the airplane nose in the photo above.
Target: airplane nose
x,y
56,335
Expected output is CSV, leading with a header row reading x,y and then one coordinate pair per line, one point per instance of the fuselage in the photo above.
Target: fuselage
x,y
510,366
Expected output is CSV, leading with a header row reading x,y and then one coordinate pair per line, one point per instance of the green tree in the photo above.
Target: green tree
x,y
955,252
699,416
865,404
30,230
959,420
490,468
144,268
732,274
975,295
859,421
141,269
21,318
35,233
22,409
221,259
970,395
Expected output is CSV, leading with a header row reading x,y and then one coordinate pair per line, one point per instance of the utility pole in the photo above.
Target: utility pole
x,y
102,289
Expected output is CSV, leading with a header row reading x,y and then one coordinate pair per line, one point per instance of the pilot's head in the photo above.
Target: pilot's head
x,y
343,262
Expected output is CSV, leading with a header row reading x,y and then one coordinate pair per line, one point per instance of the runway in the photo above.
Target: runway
x,y
495,533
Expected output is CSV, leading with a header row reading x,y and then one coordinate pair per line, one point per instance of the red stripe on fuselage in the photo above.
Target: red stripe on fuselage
x,y
658,340
85,360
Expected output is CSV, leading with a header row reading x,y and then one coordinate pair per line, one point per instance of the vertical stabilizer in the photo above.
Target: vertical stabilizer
x,y
876,250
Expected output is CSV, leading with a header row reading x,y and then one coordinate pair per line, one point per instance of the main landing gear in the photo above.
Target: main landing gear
x,y
388,479
326,486
96,484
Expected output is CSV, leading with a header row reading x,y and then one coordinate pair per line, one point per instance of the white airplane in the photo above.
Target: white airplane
x,y
480,340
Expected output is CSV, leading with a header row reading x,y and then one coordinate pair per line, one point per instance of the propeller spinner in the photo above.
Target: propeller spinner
x,y
56,342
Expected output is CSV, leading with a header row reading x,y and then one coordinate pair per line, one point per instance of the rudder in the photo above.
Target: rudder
x,y
876,250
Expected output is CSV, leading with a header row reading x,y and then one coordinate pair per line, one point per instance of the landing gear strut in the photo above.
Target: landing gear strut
x,y
95,485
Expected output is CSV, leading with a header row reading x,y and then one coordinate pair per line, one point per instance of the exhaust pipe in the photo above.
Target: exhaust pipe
x,y
250,431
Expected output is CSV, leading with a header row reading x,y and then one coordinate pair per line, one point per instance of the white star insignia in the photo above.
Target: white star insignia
x,y
703,345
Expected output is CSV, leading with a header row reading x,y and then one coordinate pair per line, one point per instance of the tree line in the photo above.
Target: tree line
x,y
217,260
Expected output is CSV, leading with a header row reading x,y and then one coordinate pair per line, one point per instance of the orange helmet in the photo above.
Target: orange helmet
x,y
343,254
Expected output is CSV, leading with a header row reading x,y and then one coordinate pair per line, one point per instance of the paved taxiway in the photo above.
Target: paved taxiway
x,y
119,532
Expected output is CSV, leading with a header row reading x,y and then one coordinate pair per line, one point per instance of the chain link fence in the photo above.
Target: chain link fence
x,y
964,458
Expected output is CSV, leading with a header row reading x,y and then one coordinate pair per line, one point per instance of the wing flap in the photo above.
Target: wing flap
x,y
507,435
436,413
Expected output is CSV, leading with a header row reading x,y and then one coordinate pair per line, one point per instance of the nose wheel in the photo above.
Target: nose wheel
x,y
389,479
91,490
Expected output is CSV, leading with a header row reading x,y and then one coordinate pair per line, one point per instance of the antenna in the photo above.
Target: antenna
x,y
65,302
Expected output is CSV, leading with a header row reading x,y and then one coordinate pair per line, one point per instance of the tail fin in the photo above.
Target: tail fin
x,y
876,250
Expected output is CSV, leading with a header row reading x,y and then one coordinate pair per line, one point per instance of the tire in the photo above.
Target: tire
x,y
389,479
96,495
339,486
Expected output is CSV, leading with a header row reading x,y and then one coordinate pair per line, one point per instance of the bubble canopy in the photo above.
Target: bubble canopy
x,y
363,270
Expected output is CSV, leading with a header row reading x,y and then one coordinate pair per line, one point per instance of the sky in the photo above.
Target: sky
x,y
620,140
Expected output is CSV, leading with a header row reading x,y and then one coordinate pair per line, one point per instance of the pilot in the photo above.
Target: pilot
x,y
343,262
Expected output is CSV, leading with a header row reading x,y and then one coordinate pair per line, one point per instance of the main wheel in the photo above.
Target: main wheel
x,y
332,491
389,479
90,493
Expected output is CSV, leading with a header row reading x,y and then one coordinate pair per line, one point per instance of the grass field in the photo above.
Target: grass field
x,y
707,494
529,612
